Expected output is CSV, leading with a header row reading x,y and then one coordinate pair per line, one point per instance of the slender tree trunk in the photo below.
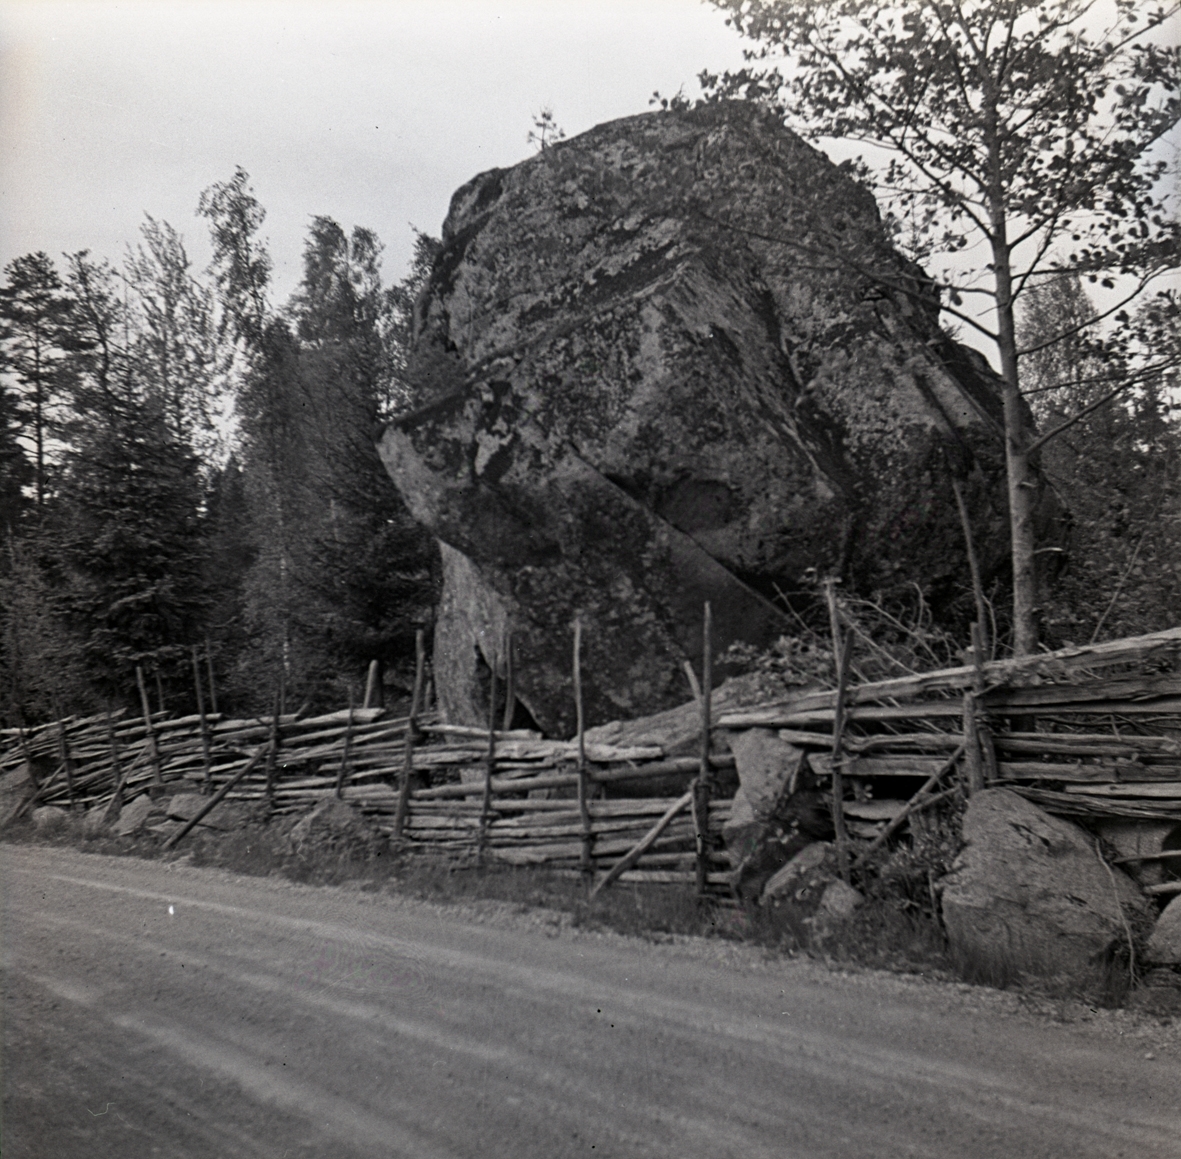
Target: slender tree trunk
x,y
1022,486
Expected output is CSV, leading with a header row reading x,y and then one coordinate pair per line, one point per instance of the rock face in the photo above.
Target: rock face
x,y
669,361
1029,895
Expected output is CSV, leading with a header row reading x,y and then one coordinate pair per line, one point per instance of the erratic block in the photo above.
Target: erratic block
x,y
675,359
1029,895
1164,946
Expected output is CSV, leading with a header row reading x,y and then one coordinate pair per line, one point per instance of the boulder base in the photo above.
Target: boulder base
x,y
1029,896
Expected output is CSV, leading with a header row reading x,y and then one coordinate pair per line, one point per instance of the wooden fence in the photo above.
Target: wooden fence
x,y
1090,733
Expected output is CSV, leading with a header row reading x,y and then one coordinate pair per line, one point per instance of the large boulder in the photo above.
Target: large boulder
x,y
669,361
1164,945
1029,895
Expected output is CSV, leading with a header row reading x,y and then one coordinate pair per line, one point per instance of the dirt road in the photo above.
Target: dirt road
x,y
173,1011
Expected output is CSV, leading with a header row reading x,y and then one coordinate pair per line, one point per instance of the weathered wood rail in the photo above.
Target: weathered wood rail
x,y
1088,733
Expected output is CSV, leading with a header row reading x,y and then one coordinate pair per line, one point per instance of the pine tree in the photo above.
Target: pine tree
x,y
35,317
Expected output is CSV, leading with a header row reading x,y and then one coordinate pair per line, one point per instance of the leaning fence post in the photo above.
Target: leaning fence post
x,y
67,760
842,654
371,691
702,789
580,722
157,789
490,767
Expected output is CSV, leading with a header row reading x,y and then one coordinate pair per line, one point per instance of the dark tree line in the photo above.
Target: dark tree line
x,y
184,464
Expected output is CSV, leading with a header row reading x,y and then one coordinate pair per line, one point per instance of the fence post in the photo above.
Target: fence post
x,y
703,788
490,766
212,682
371,685
510,679
580,721
989,772
157,789
842,644
67,760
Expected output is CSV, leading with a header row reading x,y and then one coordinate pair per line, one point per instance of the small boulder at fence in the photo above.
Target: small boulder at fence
x,y
815,863
185,806
840,900
49,819
1164,946
776,810
137,814
1029,895
94,823
335,828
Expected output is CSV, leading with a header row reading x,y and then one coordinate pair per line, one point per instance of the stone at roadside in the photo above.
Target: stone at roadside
x,y
49,819
814,862
776,811
840,900
336,828
95,821
1164,945
1029,896
135,815
185,806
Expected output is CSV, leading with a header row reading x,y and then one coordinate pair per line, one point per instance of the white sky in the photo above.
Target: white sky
x,y
369,111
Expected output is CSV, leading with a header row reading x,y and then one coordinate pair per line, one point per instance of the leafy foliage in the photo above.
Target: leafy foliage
x,y
1002,122
132,537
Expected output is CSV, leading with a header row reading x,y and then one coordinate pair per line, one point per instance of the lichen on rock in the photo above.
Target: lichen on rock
x,y
668,361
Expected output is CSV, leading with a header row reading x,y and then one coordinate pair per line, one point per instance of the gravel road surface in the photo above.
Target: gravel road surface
x,y
156,1009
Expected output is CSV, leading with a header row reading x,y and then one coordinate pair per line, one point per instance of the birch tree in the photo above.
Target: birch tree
x,y
1016,130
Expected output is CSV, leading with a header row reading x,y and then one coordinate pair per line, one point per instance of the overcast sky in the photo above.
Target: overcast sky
x,y
372,112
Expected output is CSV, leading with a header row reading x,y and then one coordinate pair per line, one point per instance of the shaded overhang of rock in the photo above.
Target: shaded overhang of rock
x,y
669,361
